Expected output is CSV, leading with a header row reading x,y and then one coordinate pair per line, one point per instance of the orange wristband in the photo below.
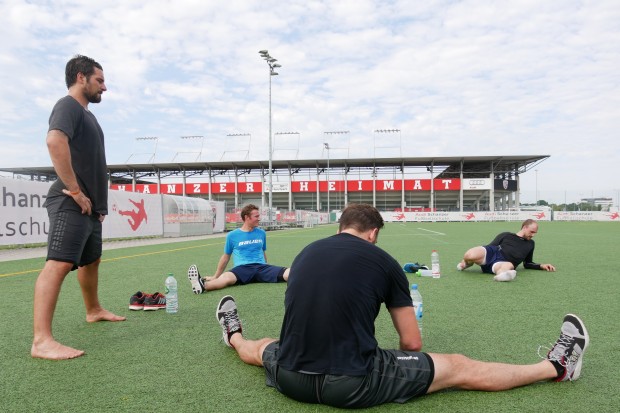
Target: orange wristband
x,y
74,193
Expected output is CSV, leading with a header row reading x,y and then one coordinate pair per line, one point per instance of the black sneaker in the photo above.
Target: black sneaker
x,y
198,286
226,315
136,301
569,348
156,301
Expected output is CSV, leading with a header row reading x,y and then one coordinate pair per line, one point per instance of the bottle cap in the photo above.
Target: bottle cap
x,y
414,286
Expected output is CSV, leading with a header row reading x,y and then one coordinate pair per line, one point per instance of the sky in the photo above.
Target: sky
x,y
455,78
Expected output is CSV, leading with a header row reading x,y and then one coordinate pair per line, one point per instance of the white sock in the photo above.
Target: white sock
x,y
506,276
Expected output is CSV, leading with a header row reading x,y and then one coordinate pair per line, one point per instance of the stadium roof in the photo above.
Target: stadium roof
x,y
472,166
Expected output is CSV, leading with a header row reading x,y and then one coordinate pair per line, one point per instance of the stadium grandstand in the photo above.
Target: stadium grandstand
x,y
473,183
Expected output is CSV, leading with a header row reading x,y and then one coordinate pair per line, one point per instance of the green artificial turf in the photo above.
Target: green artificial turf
x,y
160,362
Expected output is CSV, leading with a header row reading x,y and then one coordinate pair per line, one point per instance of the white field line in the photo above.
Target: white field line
x,y
434,232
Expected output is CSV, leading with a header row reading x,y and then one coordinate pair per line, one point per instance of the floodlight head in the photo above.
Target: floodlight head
x,y
271,60
263,52
276,65
274,73
326,144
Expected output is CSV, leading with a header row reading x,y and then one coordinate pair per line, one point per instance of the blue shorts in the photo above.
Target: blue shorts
x,y
494,255
73,237
396,376
258,273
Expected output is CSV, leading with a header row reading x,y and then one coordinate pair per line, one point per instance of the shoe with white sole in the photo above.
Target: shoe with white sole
x,y
226,314
568,350
198,286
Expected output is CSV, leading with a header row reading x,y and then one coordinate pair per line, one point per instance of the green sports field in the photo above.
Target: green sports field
x,y
159,362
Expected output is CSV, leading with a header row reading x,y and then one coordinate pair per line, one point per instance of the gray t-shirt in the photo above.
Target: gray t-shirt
x,y
87,147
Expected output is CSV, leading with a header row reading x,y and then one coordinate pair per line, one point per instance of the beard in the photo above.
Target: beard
x,y
94,97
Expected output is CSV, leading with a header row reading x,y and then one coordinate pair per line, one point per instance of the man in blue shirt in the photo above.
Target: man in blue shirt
x,y
247,246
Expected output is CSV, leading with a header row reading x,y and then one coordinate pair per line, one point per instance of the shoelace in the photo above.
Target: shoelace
x,y
558,352
231,321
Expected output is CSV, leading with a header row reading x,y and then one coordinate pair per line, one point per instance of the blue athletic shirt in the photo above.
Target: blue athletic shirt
x,y
246,247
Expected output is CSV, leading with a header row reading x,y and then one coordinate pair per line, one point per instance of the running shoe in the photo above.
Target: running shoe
x,y
136,301
228,318
569,348
155,301
198,286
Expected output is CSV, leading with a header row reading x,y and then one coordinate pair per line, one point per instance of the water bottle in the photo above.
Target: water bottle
x,y
172,297
418,308
424,273
435,264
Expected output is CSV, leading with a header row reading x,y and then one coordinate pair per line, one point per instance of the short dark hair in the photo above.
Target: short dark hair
x,y
361,217
247,211
79,64
527,223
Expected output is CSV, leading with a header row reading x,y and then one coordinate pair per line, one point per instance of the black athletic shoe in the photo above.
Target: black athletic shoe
x,y
198,286
156,301
226,315
136,301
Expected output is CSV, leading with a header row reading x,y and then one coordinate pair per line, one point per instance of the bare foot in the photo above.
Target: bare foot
x,y
103,315
53,350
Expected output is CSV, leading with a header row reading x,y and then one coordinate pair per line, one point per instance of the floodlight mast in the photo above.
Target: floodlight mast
x,y
326,146
271,62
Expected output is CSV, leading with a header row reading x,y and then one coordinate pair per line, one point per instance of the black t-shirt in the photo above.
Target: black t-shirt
x,y
87,147
334,294
517,250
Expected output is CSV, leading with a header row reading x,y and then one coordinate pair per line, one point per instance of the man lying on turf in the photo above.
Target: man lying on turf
x,y
505,253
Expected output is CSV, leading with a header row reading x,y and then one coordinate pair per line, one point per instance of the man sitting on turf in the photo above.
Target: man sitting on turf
x,y
505,253
328,353
247,245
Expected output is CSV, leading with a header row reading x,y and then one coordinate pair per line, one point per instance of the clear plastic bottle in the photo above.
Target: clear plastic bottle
x,y
435,264
172,297
418,307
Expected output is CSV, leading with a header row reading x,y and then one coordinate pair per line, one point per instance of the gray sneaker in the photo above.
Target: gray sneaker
x,y
569,348
226,315
198,286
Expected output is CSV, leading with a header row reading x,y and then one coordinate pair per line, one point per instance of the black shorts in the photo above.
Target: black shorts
x,y
73,236
397,376
493,256
263,273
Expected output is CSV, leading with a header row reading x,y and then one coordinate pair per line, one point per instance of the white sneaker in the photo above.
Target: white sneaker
x,y
198,286
506,276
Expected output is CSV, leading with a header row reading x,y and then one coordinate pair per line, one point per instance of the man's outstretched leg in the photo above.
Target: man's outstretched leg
x,y
250,351
201,285
562,362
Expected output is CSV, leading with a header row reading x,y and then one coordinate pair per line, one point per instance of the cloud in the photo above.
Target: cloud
x,y
457,78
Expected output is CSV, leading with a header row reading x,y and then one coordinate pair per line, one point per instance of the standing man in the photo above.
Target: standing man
x,y
77,204
247,245
328,353
505,253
